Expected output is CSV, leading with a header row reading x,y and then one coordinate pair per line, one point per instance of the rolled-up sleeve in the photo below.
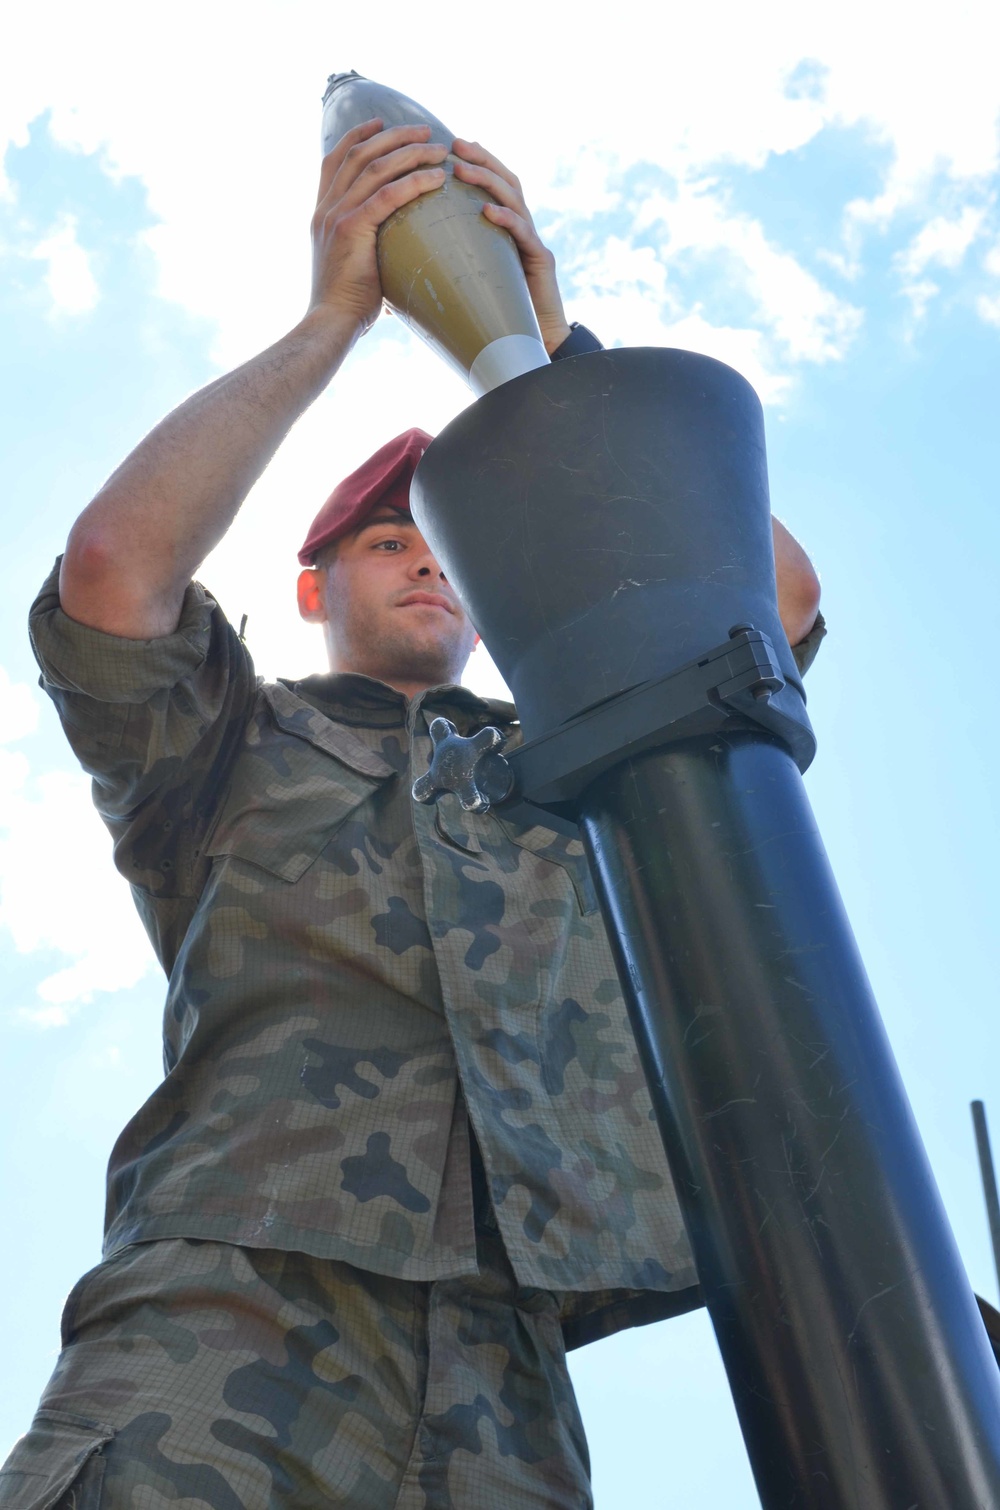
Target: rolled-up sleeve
x,y
156,724
806,650
107,668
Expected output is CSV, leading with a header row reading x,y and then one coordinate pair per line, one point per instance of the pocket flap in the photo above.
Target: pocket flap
x,y
50,1458
284,805
295,716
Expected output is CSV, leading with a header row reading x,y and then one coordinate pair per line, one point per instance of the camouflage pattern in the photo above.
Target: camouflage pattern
x,y
353,976
209,1376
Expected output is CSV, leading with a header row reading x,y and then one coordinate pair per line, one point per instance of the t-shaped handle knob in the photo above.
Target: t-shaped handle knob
x,y
472,768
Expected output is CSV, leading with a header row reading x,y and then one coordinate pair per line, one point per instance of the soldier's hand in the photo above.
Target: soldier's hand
x,y
369,174
475,165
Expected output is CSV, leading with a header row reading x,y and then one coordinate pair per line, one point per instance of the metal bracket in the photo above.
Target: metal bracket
x,y
729,687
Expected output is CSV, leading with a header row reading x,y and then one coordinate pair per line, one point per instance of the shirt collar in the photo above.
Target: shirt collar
x,y
356,699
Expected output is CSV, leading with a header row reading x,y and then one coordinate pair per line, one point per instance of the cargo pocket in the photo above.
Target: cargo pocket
x,y
58,1462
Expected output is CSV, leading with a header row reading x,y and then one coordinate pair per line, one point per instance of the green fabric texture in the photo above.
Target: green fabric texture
x,y
806,651
352,977
201,1374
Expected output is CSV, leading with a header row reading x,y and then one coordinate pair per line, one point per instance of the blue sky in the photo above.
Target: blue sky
x,y
808,196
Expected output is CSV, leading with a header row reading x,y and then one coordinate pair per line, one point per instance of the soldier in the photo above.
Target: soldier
x,y
403,1155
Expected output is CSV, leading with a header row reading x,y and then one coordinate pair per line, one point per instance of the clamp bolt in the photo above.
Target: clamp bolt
x,y
473,768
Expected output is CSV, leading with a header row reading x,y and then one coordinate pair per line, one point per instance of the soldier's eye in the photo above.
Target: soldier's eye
x,y
389,545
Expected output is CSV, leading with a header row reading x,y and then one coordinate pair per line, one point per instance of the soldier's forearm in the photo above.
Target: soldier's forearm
x,y
133,550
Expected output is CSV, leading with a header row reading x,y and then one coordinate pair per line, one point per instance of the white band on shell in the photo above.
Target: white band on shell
x,y
504,359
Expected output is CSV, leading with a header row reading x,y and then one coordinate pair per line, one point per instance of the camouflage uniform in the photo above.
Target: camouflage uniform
x,y
353,978
237,1379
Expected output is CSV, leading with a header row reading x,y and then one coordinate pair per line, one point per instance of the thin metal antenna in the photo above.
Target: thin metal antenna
x,y
989,1180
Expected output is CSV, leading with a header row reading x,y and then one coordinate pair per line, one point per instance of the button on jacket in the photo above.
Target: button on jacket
x,y
353,977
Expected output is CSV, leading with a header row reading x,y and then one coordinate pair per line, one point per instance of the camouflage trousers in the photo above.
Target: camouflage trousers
x,y
213,1377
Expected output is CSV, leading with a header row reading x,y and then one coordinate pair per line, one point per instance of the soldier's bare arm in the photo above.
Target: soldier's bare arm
x,y
798,584
133,550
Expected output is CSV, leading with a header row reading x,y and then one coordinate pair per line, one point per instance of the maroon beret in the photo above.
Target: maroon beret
x,y
383,479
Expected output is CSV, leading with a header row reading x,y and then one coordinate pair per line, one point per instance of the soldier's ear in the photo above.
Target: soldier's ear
x,y
309,591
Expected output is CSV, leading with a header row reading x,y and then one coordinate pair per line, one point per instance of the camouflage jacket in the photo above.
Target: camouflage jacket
x,y
353,976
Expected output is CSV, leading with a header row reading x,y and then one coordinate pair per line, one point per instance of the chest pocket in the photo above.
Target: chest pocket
x,y
525,827
291,790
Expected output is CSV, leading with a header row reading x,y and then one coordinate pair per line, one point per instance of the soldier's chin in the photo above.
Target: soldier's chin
x,y
408,653
433,658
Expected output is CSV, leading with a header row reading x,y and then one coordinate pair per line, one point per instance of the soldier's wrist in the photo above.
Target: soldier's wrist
x,y
555,335
332,327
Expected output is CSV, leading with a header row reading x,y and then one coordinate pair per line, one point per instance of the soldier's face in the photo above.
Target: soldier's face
x,y
387,608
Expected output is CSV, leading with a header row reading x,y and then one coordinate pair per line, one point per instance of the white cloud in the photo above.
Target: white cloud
x,y
225,135
942,242
928,94
809,321
920,294
68,277
988,308
623,291
59,892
